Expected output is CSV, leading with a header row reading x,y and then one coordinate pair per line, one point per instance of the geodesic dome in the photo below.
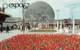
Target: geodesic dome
x,y
39,11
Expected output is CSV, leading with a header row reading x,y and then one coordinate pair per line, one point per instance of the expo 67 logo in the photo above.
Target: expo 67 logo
x,y
16,5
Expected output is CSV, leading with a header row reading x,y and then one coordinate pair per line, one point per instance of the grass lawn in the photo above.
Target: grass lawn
x,y
43,30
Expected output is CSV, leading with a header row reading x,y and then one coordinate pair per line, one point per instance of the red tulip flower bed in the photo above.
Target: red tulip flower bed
x,y
41,42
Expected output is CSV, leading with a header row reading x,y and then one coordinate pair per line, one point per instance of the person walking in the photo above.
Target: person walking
x,y
7,29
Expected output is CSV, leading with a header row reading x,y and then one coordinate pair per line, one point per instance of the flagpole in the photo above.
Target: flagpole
x,y
73,20
57,20
72,7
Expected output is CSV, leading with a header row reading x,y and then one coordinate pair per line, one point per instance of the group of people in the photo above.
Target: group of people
x,y
22,27
4,28
26,26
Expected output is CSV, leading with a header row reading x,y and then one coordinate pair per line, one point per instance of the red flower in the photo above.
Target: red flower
x,y
43,41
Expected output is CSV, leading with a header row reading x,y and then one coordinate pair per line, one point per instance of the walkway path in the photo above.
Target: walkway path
x,y
12,33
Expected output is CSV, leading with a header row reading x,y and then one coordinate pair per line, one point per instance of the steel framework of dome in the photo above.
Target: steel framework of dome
x,y
39,11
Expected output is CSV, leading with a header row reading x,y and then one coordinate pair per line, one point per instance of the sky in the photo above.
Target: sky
x,y
62,8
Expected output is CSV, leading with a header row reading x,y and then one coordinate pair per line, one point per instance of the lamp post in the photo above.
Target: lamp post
x,y
23,24
23,14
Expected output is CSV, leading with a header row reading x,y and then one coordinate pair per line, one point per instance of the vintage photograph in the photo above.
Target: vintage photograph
x,y
39,24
